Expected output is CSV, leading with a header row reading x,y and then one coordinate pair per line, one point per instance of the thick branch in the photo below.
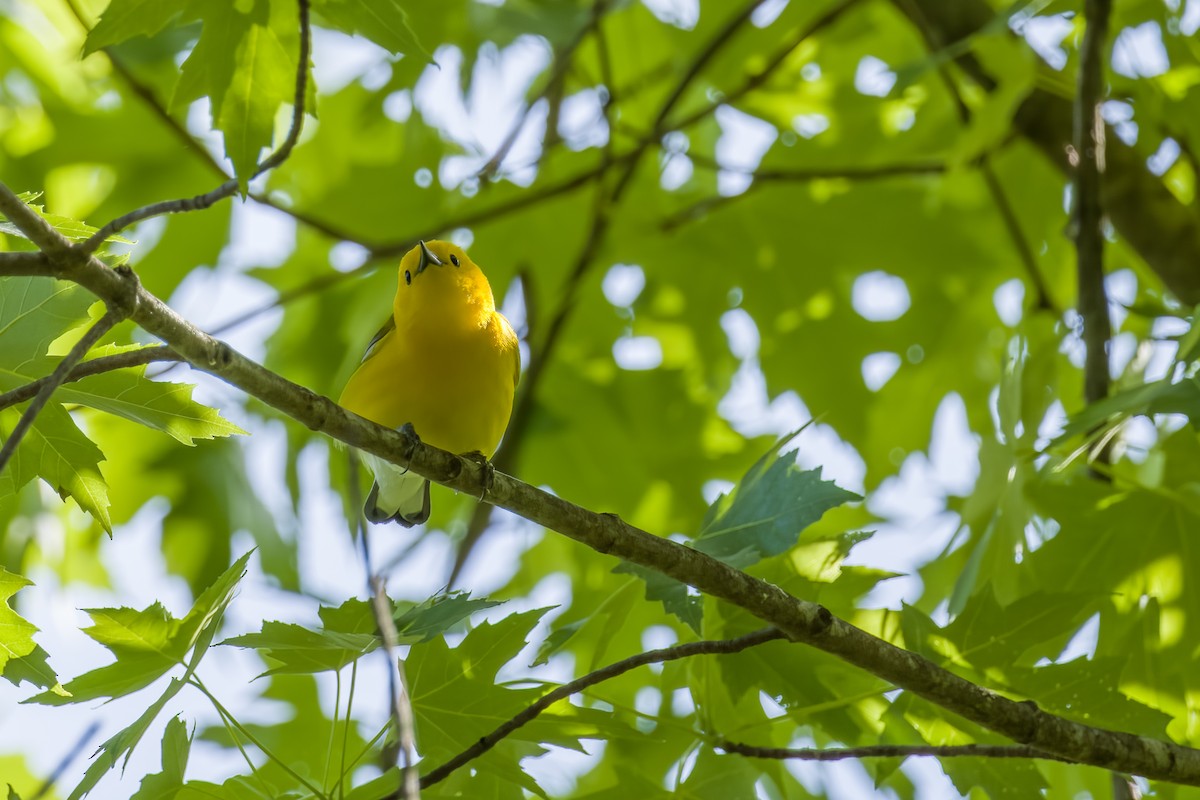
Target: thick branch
x,y
25,263
802,621
130,358
1089,213
888,751
709,647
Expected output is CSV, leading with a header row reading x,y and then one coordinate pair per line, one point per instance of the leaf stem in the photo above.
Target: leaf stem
x,y
199,684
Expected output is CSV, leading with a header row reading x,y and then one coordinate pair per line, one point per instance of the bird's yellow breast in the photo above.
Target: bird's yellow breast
x,y
448,361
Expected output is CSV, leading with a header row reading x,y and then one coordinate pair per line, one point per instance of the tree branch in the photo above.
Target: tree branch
x,y
1089,212
229,187
773,63
396,247
707,647
889,751
802,621
102,326
562,60
96,366
1156,224
25,263
765,176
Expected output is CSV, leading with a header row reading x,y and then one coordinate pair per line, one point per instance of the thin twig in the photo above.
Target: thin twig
x,y
773,63
401,707
96,366
229,187
1042,298
399,698
88,733
1089,212
707,647
889,751
659,127
763,177
562,60
56,378
395,247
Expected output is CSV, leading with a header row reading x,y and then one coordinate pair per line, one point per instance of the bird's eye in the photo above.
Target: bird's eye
x,y
407,277
454,259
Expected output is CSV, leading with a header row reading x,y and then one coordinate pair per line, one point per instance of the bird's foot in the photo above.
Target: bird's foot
x,y
409,431
486,468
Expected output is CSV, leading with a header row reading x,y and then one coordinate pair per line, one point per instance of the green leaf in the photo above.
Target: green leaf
x,y
676,598
55,450
166,407
765,514
301,743
34,312
18,778
70,228
1033,627
262,81
125,19
34,668
175,748
1159,397
384,22
414,622
437,615
142,639
293,648
122,743
148,643
16,633
454,694
719,776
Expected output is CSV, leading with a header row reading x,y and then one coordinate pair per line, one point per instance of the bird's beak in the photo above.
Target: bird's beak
x,y
427,259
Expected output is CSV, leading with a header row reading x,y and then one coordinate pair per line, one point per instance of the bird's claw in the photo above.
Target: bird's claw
x,y
486,469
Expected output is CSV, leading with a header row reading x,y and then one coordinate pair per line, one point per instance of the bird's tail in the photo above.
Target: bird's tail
x,y
397,494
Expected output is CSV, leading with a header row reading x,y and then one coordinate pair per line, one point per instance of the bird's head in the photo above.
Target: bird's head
x,y
440,278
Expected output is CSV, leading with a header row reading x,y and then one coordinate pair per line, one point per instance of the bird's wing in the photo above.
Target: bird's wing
x,y
388,326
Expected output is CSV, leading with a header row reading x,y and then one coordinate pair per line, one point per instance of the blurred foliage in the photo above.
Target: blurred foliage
x,y
709,226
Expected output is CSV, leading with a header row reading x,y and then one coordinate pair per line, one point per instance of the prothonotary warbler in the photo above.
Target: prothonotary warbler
x,y
445,361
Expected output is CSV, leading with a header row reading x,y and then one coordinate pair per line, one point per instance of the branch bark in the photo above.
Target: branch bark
x,y
888,751
803,622
1089,212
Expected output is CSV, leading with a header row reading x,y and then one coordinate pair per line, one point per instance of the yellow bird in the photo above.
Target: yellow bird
x,y
445,361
